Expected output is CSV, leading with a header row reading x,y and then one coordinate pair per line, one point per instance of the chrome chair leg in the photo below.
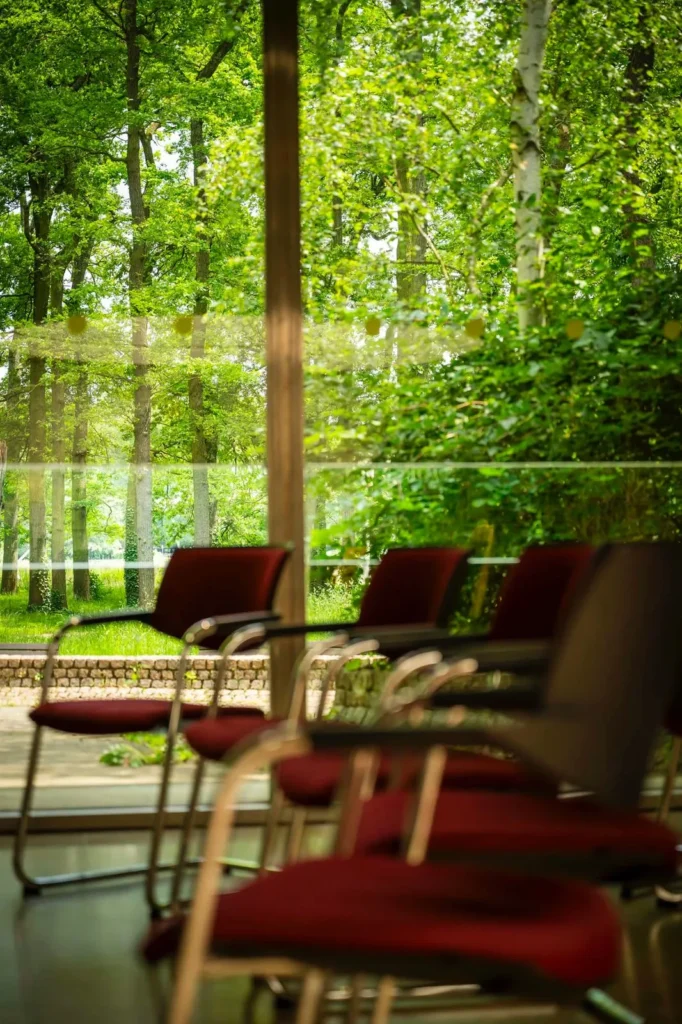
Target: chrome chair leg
x,y
384,1000
152,870
186,834
272,821
296,835
603,1007
354,999
664,896
311,997
671,779
31,885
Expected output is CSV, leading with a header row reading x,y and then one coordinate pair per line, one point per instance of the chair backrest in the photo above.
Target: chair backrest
x,y
613,674
538,589
201,582
414,586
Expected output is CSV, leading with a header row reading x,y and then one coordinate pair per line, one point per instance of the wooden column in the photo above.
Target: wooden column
x,y
284,337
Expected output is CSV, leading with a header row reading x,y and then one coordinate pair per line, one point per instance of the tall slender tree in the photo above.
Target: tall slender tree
x,y
203,444
79,457
527,159
37,217
10,537
57,429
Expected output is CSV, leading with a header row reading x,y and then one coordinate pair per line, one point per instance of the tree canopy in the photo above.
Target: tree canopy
x,y
492,237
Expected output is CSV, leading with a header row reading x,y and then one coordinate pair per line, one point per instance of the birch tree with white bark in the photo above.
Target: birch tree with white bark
x,y
527,155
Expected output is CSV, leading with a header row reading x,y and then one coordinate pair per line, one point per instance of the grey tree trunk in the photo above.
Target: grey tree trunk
x,y
137,279
58,533
58,403
10,534
79,492
39,584
79,456
411,247
639,230
203,449
526,155
202,497
131,576
3,467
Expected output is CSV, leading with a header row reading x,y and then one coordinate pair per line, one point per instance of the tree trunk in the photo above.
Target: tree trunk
x,y
58,597
639,235
202,497
3,467
10,539
131,576
411,247
58,533
203,451
137,279
38,589
525,140
39,586
79,493
79,458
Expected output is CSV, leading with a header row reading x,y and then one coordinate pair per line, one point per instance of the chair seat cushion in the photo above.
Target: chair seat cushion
x,y
111,717
375,909
313,780
214,738
567,834
102,717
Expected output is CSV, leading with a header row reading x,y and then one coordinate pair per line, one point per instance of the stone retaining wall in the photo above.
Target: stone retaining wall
x,y
83,676
246,682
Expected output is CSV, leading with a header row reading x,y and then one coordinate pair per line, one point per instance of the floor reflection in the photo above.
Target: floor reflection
x,y
70,956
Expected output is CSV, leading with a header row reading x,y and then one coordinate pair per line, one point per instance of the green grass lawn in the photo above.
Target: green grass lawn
x,y
19,626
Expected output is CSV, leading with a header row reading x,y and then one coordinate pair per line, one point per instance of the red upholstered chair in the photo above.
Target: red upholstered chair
x,y
536,595
237,584
414,589
612,674
617,618
538,939
538,590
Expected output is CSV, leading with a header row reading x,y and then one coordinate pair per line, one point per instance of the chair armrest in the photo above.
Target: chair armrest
x,y
302,628
103,619
225,625
522,658
328,736
516,698
517,657
419,635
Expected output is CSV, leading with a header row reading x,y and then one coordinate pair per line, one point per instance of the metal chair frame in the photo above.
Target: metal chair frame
x,y
668,897
277,804
195,962
200,630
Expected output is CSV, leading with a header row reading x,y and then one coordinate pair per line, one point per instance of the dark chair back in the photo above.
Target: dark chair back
x,y
612,677
538,589
202,582
414,586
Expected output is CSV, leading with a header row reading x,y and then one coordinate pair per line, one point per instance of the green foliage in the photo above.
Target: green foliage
x,y
140,749
408,214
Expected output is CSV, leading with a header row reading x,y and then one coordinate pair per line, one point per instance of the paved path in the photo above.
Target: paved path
x,y
71,774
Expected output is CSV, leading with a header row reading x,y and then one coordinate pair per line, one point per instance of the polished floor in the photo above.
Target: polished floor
x,y
69,956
